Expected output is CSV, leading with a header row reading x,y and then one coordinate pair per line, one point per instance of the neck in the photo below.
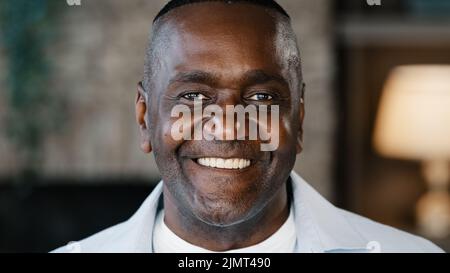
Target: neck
x,y
247,233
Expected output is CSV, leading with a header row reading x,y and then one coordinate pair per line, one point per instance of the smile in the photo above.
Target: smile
x,y
224,163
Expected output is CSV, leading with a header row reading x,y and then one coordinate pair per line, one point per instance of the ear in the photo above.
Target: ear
x,y
141,111
301,113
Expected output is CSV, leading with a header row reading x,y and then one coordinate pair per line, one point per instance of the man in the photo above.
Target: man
x,y
222,195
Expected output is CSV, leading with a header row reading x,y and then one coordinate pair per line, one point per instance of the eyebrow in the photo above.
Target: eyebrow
x,y
251,77
259,76
196,76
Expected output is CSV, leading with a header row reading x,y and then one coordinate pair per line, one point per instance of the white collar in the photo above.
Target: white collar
x,y
282,241
320,225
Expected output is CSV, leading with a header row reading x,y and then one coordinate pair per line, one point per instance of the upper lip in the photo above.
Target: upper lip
x,y
195,157
222,149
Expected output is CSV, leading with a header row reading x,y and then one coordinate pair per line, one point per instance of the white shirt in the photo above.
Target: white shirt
x,y
320,227
166,241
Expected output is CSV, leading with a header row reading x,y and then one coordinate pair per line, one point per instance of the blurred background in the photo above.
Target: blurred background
x,y
70,163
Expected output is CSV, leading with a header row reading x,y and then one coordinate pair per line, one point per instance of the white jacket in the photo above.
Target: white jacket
x,y
320,226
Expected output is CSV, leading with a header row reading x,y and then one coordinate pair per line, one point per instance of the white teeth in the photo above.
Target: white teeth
x,y
235,163
228,164
241,164
222,163
212,162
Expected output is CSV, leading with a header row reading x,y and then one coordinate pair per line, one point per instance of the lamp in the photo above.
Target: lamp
x,y
413,122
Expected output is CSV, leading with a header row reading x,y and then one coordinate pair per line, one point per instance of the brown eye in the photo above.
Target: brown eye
x,y
194,96
261,97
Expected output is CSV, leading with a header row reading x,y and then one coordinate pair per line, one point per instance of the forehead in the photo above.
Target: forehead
x,y
223,39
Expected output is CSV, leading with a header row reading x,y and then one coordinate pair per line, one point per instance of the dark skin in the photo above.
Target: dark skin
x,y
227,57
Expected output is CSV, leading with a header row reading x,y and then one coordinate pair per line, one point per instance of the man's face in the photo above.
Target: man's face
x,y
223,55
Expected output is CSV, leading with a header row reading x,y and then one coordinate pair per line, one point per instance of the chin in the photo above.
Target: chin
x,y
222,213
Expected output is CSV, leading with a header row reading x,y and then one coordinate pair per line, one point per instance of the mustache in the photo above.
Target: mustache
x,y
249,149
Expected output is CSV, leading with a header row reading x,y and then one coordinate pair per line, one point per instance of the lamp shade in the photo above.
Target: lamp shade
x,y
413,120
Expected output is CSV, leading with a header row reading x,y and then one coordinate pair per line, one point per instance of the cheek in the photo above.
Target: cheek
x,y
286,126
286,133
165,148
285,155
163,134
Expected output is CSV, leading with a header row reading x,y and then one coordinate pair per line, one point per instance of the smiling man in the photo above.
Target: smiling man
x,y
228,194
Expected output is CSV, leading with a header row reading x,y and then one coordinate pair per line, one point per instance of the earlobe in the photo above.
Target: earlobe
x,y
141,111
146,147
141,106
299,146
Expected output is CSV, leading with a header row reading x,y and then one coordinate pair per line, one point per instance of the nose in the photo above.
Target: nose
x,y
228,97
219,128
223,126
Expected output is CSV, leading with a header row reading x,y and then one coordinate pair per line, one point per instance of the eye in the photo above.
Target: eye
x,y
194,96
261,97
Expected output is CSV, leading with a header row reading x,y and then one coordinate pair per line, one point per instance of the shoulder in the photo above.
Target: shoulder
x,y
389,239
338,229
107,240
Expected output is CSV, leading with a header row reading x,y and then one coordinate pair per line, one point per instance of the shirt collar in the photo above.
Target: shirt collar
x,y
321,227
